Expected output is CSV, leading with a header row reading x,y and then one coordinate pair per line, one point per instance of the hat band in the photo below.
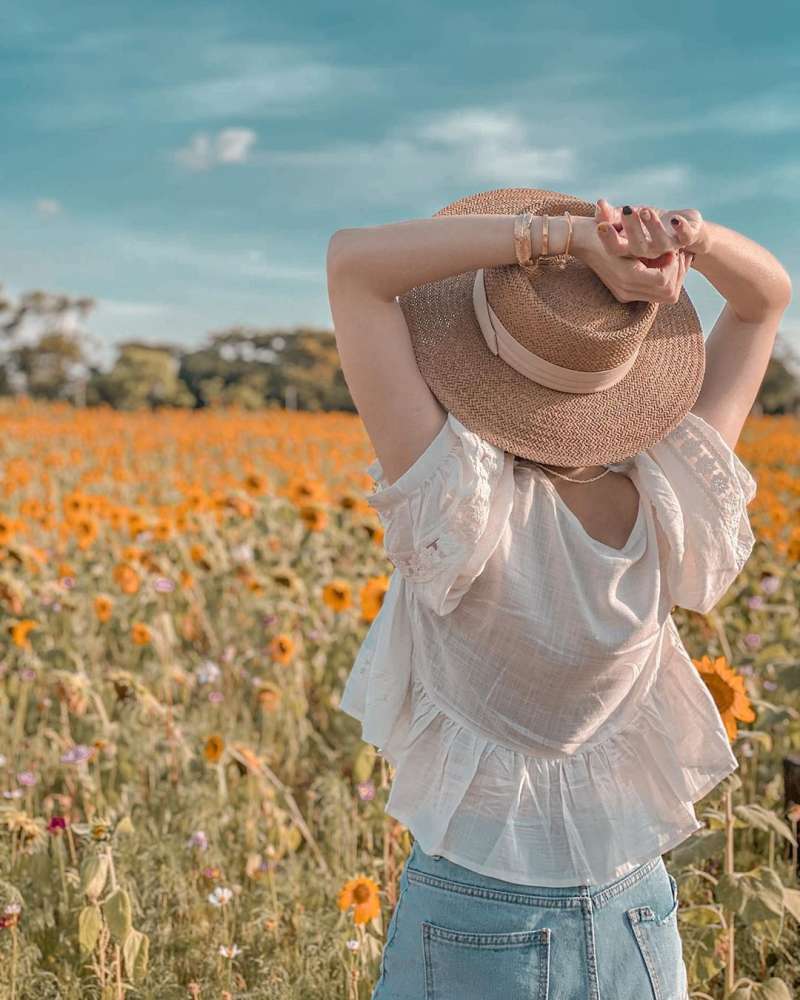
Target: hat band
x,y
538,369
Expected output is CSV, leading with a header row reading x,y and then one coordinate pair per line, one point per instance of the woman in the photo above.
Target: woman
x,y
524,677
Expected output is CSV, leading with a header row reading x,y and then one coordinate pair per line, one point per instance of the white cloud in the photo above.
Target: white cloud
x,y
229,145
48,206
473,146
234,144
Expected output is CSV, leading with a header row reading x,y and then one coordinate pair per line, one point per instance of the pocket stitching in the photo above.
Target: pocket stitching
x,y
465,889
639,915
493,939
391,937
539,937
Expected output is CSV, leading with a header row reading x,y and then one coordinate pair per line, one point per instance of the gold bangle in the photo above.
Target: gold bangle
x,y
564,256
522,238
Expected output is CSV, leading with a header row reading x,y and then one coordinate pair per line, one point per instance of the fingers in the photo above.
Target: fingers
x,y
635,234
611,239
604,211
660,284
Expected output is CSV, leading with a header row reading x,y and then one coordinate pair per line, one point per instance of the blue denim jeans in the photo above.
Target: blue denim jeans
x,y
458,935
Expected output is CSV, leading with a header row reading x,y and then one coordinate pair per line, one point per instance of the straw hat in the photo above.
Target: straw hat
x,y
539,405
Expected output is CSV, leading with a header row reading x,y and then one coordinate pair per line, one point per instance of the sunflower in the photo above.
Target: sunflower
x,y
86,529
337,595
313,516
126,578
363,894
163,530
6,529
728,691
372,595
269,696
103,607
282,648
212,751
20,630
140,634
255,483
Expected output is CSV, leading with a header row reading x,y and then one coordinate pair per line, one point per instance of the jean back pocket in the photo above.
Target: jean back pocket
x,y
496,966
660,945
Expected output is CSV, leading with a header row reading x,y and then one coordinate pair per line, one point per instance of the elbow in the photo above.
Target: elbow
x,y
787,289
771,298
338,251
781,290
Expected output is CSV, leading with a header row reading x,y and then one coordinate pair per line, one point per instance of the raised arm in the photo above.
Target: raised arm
x,y
368,268
755,285
757,290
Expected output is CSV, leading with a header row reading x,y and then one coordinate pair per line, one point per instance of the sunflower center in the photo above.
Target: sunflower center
x,y
721,691
361,893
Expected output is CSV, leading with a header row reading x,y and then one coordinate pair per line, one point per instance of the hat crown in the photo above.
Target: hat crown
x,y
568,317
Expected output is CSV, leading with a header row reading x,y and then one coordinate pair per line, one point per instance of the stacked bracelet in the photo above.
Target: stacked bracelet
x,y
523,242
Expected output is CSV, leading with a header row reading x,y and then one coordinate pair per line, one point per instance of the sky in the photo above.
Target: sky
x,y
185,164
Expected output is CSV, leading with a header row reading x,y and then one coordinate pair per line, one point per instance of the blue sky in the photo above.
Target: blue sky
x,y
186,163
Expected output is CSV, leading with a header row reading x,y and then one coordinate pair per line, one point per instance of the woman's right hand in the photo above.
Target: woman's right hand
x,y
691,231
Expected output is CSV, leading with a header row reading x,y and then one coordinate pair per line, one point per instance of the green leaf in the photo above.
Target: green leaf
x,y
700,916
89,923
728,892
763,819
94,872
752,896
364,762
789,677
772,651
117,911
135,952
124,827
773,989
702,845
791,900
758,736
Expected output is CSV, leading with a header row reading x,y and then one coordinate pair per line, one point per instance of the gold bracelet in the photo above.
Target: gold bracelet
x,y
564,256
522,239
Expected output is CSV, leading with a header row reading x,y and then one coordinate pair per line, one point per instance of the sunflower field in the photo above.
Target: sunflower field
x,y
186,812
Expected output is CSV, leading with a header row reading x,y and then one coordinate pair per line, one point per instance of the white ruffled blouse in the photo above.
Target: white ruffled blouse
x,y
526,681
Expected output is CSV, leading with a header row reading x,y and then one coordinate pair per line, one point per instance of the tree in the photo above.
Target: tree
x,y
42,352
143,375
780,389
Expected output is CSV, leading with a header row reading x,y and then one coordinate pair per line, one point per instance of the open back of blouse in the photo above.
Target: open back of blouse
x,y
527,681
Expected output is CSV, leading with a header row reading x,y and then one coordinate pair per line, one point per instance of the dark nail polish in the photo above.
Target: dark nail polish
x,y
675,222
627,210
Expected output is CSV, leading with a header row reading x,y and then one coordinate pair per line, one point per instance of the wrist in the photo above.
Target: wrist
x,y
583,234
558,231
704,243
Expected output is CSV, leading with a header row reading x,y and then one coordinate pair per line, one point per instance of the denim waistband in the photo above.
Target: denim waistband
x,y
430,868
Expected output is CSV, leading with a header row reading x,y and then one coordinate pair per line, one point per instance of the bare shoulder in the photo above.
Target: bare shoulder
x,y
399,411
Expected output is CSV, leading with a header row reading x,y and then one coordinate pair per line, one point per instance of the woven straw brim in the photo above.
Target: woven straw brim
x,y
533,421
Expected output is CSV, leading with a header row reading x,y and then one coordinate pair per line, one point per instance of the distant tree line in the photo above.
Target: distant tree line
x,y
45,354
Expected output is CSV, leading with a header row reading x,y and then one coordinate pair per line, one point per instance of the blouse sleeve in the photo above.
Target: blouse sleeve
x,y
700,490
444,516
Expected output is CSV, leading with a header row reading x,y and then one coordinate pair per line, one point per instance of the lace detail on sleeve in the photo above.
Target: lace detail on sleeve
x,y
469,504
703,449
